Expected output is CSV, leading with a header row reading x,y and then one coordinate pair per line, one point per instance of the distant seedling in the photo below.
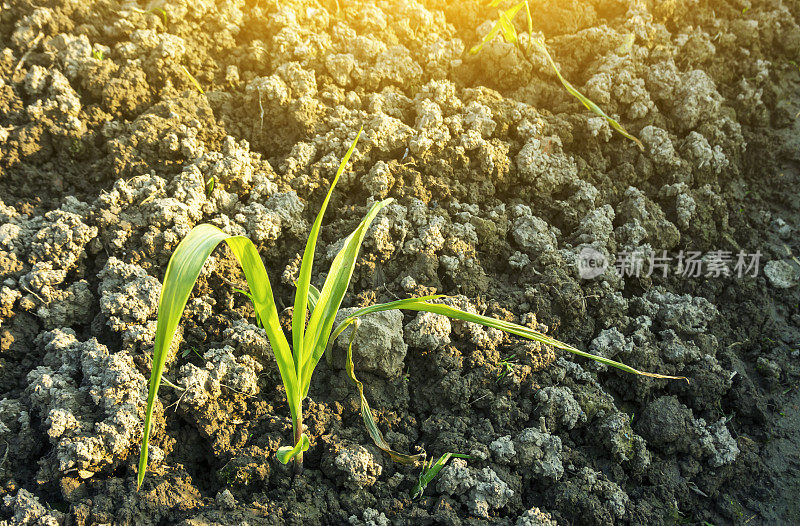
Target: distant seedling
x,y
505,25
161,11
210,184
153,10
98,54
194,80
296,363
506,367
429,472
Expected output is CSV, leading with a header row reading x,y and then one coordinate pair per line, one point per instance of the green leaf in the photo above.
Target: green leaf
x,y
287,453
332,293
182,272
584,99
423,304
531,334
193,80
430,472
313,297
508,29
366,414
301,352
530,19
474,50
393,305
507,23
504,24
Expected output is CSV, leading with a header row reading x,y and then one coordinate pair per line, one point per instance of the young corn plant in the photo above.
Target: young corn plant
x,y
505,26
309,339
430,470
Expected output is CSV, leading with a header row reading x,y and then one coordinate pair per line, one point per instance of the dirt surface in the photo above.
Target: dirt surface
x,y
503,183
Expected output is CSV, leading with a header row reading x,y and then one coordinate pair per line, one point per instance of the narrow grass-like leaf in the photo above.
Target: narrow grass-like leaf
x,y
584,99
430,471
530,19
182,272
393,305
505,24
287,453
313,297
422,304
194,80
332,293
366,413
474,50
304,279
529,333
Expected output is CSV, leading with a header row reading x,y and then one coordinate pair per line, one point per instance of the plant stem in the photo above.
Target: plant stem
x,y
297,424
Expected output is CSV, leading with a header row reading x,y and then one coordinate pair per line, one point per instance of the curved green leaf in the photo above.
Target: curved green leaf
x,y
422,304
583,98
304,279
366,413
287,453
182,272
330,297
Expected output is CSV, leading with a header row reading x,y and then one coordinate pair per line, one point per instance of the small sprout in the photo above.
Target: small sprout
x,y
194,80
98,54
161,11
286,453
430,470
506,366
154,11
212,181
186,352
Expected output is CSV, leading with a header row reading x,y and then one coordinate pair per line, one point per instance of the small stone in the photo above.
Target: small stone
x,y
782,274
226,500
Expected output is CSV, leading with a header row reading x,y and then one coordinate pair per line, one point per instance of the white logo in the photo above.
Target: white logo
x,y
591,263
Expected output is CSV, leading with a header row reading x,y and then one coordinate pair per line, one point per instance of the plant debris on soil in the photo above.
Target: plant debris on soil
x,y
125,124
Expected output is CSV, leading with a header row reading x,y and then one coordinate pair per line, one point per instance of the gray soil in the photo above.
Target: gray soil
x,y
501,181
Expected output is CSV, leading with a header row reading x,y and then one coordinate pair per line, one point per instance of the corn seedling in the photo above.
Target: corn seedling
x,y
430,470
194,80
98,54
311,339
210,184
505,26
161,11
506,367
187,352
154,10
